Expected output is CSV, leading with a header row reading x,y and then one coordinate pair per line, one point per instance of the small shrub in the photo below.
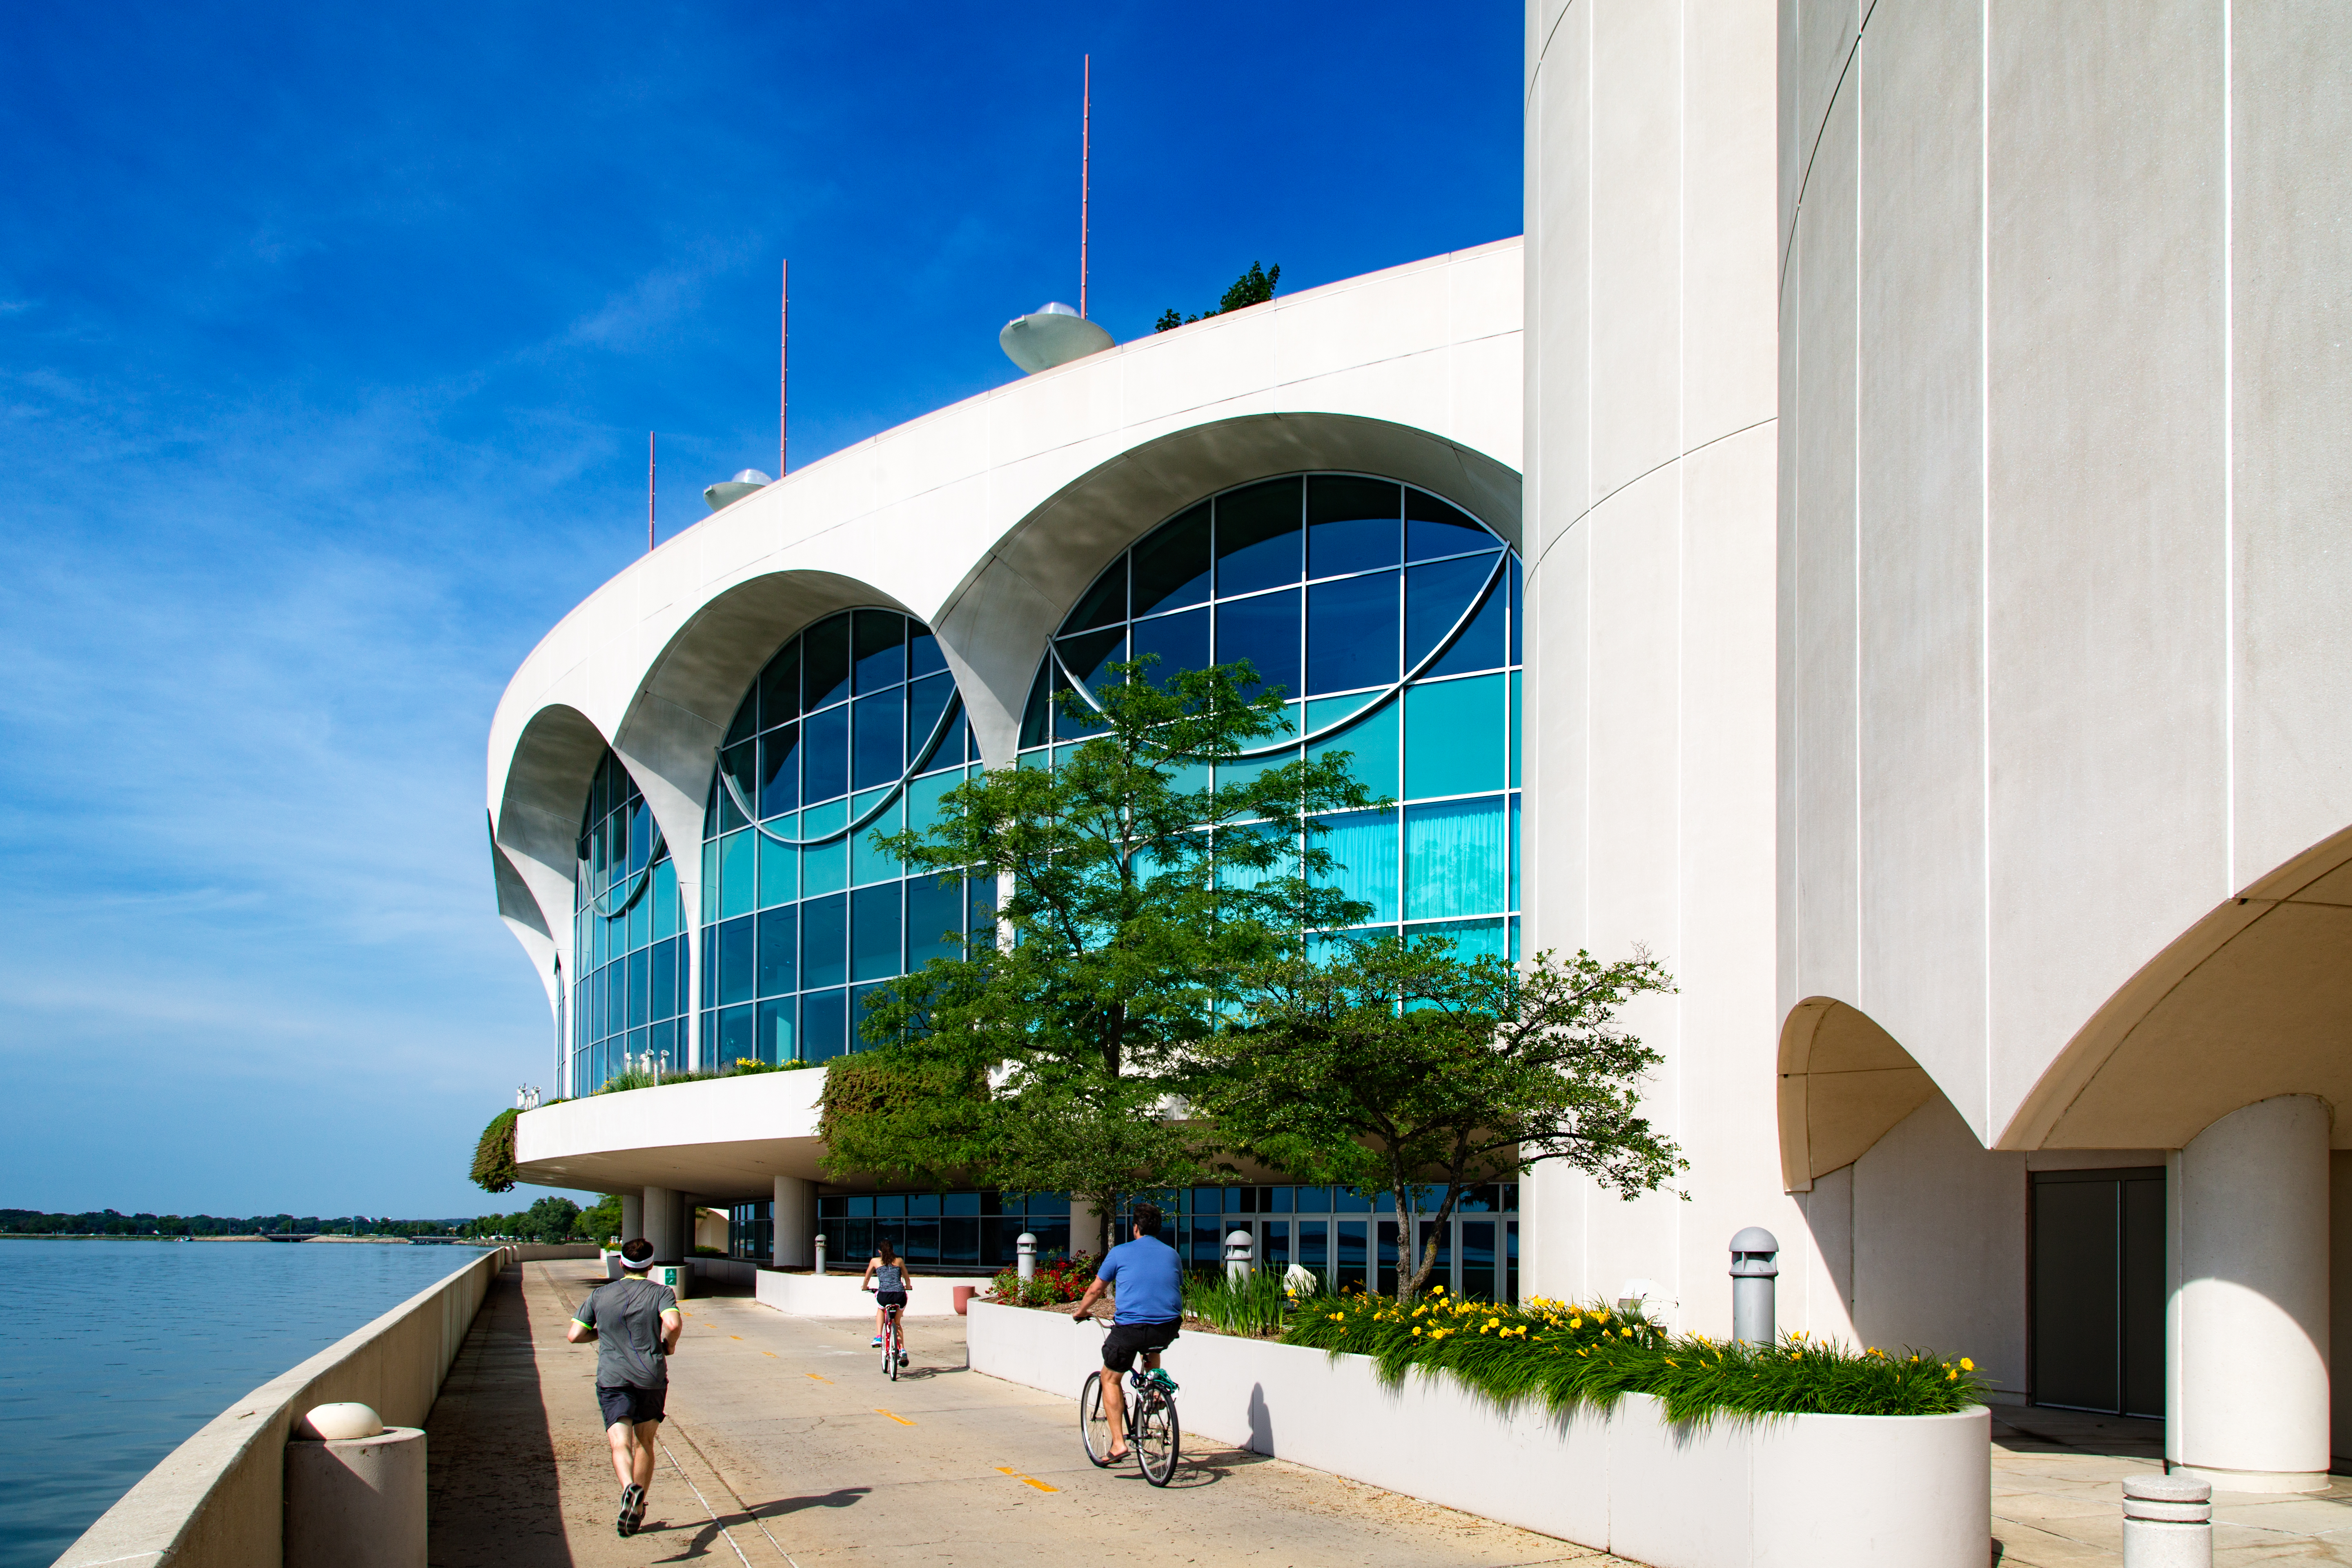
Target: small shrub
x,y
1565,1354
1058,1280
1256,1306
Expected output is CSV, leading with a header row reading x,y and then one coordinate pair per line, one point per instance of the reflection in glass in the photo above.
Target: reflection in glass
x,y
1352,633
1171,567
1353,524
1259,537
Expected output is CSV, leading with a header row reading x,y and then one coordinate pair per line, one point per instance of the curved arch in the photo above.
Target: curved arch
x,y
679,714
537,829
2252,1001
1845,1084
996,622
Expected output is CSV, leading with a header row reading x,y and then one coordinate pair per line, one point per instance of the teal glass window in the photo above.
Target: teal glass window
x,y
1389,616
628,960
860,701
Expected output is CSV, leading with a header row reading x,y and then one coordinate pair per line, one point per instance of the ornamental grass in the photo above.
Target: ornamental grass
x,y
1566,1354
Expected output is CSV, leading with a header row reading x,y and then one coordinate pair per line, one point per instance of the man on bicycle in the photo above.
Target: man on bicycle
x,y
1148,1278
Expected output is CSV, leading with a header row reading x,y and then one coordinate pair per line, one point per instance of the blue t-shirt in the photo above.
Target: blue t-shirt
x,y
1148,1280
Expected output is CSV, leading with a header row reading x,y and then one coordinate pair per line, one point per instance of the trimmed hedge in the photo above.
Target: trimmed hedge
x,y
1566,1354
494,1157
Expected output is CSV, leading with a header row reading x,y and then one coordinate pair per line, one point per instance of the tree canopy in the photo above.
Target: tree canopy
x,y
1391,1065
1139,877
1255,286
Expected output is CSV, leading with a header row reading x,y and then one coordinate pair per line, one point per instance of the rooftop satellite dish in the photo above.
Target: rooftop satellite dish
x,y
727,493
1049,335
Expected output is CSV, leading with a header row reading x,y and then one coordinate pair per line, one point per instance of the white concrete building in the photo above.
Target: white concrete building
x,y
1923,456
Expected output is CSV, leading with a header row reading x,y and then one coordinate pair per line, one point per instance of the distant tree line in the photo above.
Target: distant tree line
x,y
549,1219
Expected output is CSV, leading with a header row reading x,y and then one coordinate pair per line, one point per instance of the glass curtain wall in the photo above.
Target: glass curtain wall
x,y
853,729
1392,620
948,1231
628,1001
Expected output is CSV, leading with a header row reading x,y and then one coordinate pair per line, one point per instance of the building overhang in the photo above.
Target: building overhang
x,y
720,1139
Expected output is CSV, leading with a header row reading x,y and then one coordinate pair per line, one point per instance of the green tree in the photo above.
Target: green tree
x,y
549,1219
1137,892
1396,1066
601,1221
1255,286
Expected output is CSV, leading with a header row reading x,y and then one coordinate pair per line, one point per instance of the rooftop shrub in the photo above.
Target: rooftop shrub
x,y
1566,1354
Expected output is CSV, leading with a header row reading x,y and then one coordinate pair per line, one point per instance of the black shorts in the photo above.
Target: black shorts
x,y
890,1298
630,1404
1126,1340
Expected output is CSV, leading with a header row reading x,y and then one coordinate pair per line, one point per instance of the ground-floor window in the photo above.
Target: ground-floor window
x,y
950,1232
752,1231
1351,1241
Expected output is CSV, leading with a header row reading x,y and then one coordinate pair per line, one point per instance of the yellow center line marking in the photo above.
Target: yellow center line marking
x,y
824,1380
1031,1480
900,1419
734,1336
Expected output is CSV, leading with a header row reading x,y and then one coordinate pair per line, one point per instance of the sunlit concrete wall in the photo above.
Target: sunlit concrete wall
x,y
2064,366
1650,486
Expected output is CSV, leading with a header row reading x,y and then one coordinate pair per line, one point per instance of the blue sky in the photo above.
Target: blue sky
x,y
328,341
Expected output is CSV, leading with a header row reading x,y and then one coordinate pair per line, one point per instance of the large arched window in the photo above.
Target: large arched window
x,y
853,729
628,1001
1390,619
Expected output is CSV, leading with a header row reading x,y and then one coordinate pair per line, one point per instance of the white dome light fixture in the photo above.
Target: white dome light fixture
x,y
727,493
1049,335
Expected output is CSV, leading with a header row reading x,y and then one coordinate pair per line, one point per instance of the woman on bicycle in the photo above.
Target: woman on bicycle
x,y
888,1278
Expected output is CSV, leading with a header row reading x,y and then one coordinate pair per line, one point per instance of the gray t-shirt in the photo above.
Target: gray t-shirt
x,y
626,1316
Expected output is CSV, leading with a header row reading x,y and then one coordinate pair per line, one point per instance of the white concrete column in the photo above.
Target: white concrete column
x,y
665,1217
2246,1401
1084,1222
795,1217
633,1216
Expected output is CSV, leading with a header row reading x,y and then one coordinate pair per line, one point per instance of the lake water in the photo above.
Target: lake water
x,y
112,1353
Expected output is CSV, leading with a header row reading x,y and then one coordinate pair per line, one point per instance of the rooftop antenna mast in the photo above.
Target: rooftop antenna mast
x,y
649,492
1086,174
783,364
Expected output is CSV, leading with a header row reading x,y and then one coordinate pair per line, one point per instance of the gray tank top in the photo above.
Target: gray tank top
x,y
889,1277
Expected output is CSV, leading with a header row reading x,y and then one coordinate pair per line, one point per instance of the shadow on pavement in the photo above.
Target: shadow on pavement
x,y
840,1497
491,1461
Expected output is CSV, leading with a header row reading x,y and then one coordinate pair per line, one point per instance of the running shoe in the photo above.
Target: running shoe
x,y
902,1358
633,1509
876,1344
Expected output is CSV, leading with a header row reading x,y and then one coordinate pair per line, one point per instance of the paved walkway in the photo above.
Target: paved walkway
x,y
2057,1498
786,1445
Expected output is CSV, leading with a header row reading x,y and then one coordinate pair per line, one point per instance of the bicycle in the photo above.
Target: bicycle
x,y
1153,1435
893,1343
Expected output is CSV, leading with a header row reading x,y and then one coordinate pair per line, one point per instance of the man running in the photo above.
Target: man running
x,y
635,1324
1150,1278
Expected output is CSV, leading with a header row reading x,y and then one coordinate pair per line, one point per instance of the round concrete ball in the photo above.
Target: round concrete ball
x,y
336,1423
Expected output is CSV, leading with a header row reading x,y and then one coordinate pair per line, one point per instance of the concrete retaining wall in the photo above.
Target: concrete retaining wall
x,y
1824,1491
837,1295
217,1500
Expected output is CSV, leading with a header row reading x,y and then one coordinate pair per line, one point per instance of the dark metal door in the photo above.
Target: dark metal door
x,y
2098,1289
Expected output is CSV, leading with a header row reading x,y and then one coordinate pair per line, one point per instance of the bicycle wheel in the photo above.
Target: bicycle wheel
x,y
1093,1423
890,1348
1156,1440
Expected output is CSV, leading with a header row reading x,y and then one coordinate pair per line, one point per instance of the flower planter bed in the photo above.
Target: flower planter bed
x,y
1824,1491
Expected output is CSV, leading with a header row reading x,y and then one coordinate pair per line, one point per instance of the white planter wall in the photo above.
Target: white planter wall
x,y
837,1295
1820,1491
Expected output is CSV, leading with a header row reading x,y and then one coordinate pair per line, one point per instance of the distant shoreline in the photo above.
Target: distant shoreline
x,y
338,1240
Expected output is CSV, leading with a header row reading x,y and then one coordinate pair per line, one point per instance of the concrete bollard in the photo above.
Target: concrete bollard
x,y
1239,1247
820,1252
1755,1315
2168,1522
1024,1256
355,1502
679,1277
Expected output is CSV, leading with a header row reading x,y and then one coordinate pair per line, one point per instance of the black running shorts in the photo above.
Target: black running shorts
x,y
630,1405
1126,1340
890,1298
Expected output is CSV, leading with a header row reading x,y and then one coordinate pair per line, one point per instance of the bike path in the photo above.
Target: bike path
x,y
786,1444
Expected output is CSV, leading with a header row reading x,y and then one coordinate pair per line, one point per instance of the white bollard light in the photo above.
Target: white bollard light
x,y
1754,1275
820,1252
2168,1522
1239,1247
1025,1254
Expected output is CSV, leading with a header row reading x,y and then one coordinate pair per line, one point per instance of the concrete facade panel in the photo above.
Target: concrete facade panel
x,y
2291,472
1729,348
1920,448
1636,269
1558,298
1821,747
2106,629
